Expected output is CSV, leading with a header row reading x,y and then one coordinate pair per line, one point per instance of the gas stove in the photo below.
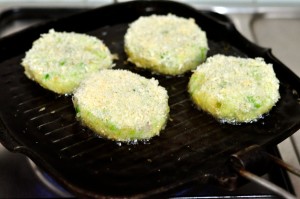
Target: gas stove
x,y
20,177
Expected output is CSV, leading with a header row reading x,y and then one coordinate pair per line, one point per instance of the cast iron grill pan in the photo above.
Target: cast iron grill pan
x,y
192,150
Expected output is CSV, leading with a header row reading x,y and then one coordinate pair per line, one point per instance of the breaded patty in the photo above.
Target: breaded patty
x,y
122,105
166,44
233,89
59,61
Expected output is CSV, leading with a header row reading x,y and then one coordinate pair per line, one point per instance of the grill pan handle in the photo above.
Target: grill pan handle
x,y
245,162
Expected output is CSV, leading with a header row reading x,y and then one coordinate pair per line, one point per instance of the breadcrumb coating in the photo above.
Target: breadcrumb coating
x,y
59,61
122,105
233,89
166,44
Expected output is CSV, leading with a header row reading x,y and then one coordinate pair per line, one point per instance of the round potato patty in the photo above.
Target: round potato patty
x,y
122,105
166,44
59,61
233,89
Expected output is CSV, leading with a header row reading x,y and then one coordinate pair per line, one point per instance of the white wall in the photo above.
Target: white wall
x,y
204,2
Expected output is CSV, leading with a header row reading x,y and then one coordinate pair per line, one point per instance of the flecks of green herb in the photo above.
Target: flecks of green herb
x,y
81,64
46,76
253,101
163,55
77,110
62,62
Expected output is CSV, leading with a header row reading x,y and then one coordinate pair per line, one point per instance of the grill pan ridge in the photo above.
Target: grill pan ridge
x,y
193,147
